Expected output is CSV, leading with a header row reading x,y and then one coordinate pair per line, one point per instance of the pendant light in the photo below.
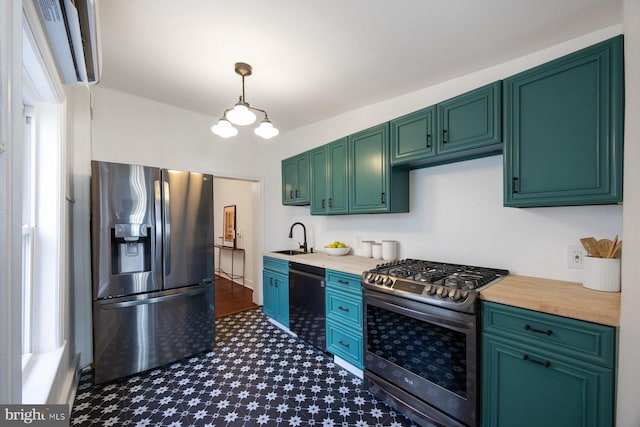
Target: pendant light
x,y
241,114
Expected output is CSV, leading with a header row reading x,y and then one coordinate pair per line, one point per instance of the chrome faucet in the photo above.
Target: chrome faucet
x,y
303,246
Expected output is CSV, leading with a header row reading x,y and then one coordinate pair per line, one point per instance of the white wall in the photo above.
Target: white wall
x,y
628,413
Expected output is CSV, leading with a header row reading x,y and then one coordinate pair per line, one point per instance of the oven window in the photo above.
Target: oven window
x,y
430,351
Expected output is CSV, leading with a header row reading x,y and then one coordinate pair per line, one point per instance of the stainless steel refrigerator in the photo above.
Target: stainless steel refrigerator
x,y
152,260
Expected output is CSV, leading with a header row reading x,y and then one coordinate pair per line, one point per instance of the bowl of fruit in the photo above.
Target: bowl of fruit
x,y
337,249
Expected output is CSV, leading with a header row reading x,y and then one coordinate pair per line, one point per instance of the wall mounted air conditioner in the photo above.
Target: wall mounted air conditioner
x,y
71,28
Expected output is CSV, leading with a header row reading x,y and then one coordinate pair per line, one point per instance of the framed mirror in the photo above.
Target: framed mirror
x,y
229,236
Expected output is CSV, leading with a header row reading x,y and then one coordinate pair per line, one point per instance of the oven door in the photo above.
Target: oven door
x,y
423,351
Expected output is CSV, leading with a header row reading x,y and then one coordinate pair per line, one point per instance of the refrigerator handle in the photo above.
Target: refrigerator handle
x,y
157,256
167,227
123,304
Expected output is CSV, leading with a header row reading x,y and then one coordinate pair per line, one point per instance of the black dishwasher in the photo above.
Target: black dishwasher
x,y
307,312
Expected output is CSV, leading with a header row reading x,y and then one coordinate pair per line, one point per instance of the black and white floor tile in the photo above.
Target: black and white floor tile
x,y
257,375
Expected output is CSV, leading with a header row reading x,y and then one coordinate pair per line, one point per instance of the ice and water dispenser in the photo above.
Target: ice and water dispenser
x,y
130,248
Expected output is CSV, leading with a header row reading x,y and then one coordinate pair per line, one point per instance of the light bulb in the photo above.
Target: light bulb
x,y
224,129
241,115
266,129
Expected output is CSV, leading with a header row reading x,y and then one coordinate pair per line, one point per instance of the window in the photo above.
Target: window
x,y
28,229
44,224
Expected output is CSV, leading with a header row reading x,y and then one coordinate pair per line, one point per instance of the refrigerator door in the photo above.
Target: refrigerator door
x,y
135,333
126,249
187,228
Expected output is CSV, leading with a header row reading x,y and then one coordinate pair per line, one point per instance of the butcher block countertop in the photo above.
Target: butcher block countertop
x,y
347,263
566,299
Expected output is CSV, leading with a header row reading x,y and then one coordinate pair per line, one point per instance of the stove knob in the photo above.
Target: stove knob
x,y
441,292
431,290
455,294
388,282
379,280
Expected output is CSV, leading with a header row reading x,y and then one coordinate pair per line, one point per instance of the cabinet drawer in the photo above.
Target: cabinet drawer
x,y
344,307
275,264
345,343
586,341
343,281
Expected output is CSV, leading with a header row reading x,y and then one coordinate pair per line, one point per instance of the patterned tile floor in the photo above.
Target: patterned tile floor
x,y
257,375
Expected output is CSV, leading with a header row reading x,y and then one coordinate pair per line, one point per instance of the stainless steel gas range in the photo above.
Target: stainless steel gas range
x,y
421,338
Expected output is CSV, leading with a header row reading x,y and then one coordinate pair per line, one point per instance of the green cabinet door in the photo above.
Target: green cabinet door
x,y
275,289
528,387
465,127
289,181
375,187
295,180
564,130
338,177
470,121
282,297
329,179
268,294
413,137
318,183
276,296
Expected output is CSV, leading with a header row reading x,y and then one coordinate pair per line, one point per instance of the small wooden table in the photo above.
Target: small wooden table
x,y
230,275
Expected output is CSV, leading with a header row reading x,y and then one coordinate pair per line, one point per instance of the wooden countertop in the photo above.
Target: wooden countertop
x,y
558,297
566,299
347,263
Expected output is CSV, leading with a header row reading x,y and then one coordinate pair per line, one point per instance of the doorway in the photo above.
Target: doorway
x,y
236,249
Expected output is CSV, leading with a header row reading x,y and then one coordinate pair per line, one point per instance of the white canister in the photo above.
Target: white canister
x,y
366,248
389,249
376,250
602,274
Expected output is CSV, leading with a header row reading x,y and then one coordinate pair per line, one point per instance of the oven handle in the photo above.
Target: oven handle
x,y
462,322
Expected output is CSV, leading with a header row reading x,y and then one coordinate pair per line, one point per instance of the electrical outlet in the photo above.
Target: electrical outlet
x,y
575,255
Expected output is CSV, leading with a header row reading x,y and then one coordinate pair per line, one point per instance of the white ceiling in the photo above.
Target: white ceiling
x,y
316,59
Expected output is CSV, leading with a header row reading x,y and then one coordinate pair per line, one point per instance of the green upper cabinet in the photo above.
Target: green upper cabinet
x,y
375,187
471,121
329,179
464,127
295,180
563,128
413,137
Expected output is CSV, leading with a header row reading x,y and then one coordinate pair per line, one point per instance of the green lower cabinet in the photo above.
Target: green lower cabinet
x,y
345,343
344,317
526,387
275,290
545,370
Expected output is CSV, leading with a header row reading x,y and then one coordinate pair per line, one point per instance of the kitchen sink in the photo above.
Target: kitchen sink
x,y
289,252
